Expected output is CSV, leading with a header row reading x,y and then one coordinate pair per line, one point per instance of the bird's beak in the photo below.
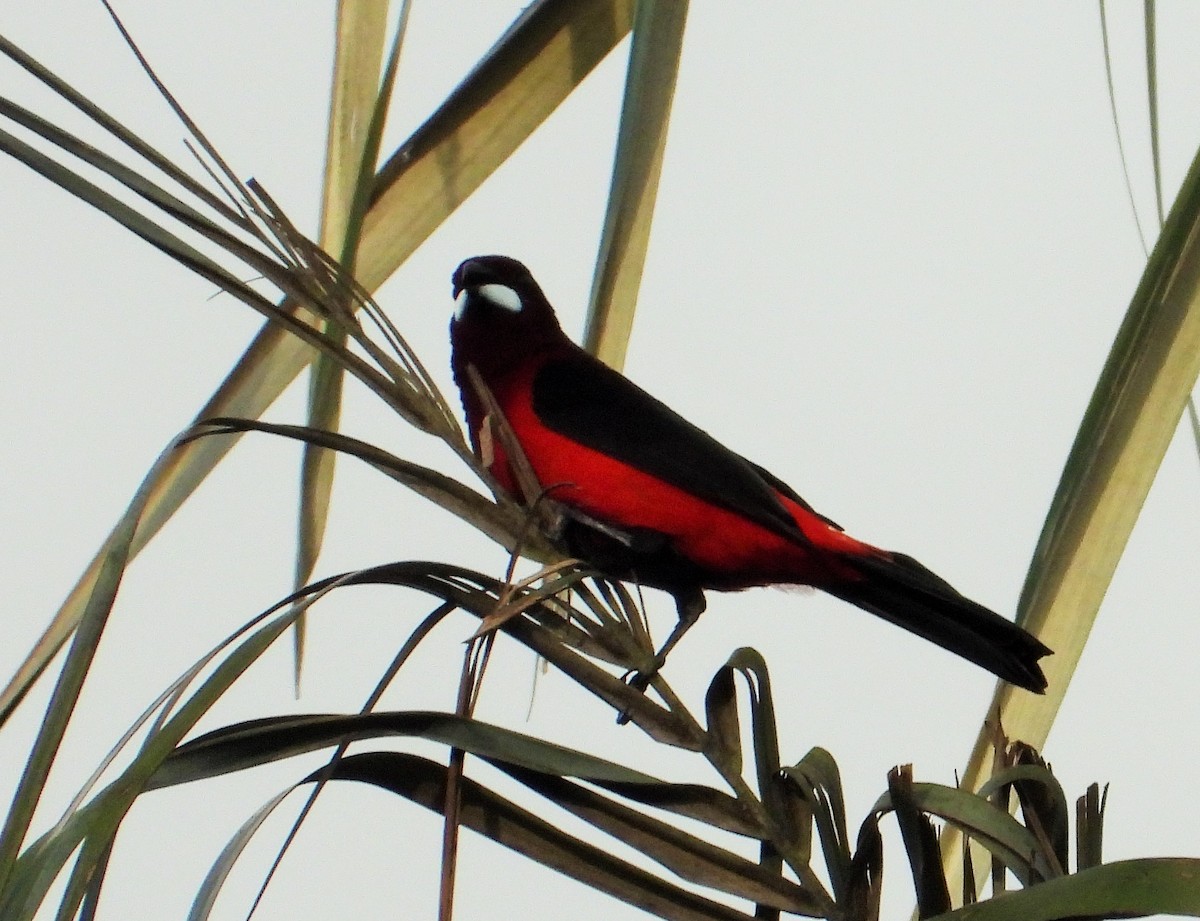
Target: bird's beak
x,y
461,294
461,276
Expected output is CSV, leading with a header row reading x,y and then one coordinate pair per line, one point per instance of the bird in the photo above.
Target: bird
x,y
646,496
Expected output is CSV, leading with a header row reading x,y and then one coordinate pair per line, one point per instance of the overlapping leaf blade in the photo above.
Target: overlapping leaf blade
x,y
534,837
1122,889
539,765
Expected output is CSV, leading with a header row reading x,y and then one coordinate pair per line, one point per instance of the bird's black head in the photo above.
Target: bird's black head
x,y
501,317
499,292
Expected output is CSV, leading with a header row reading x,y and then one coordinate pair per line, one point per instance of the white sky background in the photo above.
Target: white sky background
x,y
892,248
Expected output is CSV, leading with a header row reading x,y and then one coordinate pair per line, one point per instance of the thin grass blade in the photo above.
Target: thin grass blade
x,y
819,782
791,813
423,782
97,822
1089,827
1133,414
724,746
920,842
645,115
688,856
361,33
256,742
1043,808
206,895
500,521
357,112
478,594
94,616
128,138
1014,845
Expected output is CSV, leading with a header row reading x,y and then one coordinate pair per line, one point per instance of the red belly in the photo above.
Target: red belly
x,y
742,551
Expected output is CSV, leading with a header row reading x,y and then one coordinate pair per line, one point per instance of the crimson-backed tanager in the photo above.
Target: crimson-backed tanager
x,y
649,497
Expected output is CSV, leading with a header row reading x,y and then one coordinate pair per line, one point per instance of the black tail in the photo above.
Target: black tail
x,y
904,592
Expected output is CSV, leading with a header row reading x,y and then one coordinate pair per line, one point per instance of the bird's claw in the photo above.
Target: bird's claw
x,y
639,679
690,607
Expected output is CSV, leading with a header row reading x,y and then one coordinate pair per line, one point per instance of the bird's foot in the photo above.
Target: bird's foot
x,y
639,679
690,607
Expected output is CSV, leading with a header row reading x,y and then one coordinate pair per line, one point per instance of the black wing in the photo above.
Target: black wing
x,y
781,487
583,399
